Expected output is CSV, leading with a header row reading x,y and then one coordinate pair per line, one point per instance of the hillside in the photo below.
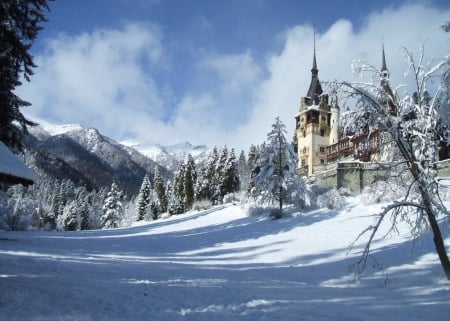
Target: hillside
x,y
88,158
222,265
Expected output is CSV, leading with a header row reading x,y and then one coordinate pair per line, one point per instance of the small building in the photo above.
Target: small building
x,y
13,170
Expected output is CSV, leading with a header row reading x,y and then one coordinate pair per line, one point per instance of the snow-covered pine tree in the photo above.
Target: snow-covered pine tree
x,y
112,208
230,178
244,171
160,191
411,122
277,180
154,206
70,216
144,199
206,183
175,204
84,214
178,186
252,159
189,181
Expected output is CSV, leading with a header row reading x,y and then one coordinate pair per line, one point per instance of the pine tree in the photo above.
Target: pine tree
x,y
176,204
160,191
20,23
178,186
144,199
244,171
70,216
112,208
252,159
278,180
84,214
219,178
189,181
206,183
230,181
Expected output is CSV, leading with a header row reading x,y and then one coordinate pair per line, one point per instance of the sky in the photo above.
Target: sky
x,y
213,72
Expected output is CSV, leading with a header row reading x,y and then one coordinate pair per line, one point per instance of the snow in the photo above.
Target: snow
x,y
10,164
221,264
54,129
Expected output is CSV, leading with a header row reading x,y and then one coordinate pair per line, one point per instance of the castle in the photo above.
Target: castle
x,y
319,142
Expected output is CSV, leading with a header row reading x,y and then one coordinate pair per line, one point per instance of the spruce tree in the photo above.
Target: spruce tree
x,y
144,199
160,191
230,180
112,208
189,181
70,216
252,158
278,180
20,23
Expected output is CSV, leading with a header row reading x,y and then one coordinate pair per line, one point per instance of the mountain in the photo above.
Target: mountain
x,y
172,155
88,158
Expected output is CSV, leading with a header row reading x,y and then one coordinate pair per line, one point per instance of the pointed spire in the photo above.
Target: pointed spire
x,y
315,89
383,60
314,67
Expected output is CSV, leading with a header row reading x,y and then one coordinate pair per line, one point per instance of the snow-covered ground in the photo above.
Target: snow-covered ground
x,y
222,265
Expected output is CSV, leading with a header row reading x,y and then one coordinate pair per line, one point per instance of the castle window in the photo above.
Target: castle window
x,y
303,162
324,118
304,133
322,132
322,149
322,161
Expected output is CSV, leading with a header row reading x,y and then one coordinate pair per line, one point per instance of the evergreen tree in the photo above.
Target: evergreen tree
x,y
244,171
252,159
155,206
230,180
278,180
84,214
178,186
176,204
112,208
160,191
20,23
144,199
70,216
189,181
218,187
206,182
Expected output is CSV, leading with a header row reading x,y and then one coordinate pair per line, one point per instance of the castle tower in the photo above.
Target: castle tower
x,y
387,97
316,125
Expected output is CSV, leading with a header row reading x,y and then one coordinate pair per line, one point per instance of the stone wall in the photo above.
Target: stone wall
x,y
356,175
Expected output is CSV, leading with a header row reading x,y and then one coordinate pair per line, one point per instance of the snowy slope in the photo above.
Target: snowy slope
x,y
221,265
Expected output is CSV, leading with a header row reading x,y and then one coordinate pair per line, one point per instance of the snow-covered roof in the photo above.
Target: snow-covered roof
x,y
10,164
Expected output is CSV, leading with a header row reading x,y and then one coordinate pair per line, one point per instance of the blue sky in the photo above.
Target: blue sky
x,y
211,72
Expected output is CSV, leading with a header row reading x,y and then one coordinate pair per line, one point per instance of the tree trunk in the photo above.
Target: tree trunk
x,y
439,244
437,235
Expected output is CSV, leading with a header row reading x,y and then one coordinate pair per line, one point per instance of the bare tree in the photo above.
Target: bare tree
x,y
411,122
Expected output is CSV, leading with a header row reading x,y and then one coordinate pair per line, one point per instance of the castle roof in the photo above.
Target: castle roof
x,y
315,89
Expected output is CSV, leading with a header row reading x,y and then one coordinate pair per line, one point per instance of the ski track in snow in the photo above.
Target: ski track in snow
x,y
222,265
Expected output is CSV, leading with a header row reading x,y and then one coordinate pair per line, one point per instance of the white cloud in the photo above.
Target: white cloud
x,y
109,78
238,72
